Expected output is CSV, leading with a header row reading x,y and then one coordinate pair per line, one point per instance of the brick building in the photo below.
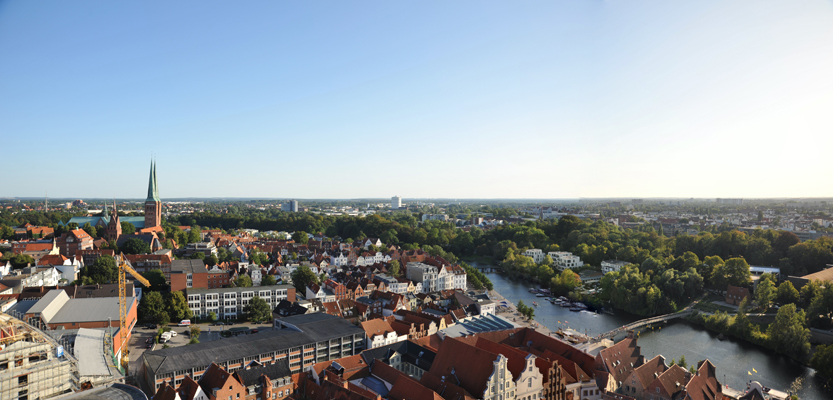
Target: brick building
x,y
186,274
71,242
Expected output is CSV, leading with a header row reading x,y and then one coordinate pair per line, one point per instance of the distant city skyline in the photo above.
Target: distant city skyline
x,y
468,100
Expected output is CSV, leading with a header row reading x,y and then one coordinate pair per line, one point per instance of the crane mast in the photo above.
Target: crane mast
x,y
124,269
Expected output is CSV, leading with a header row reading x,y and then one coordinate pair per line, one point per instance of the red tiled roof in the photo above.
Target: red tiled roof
x,y
386,372
449,390
375,327
673,380
37,247
704,385
52,259
406,388
646,373
188,388
80,234
215,376
432,342
463,363
354,367
620,359
166,392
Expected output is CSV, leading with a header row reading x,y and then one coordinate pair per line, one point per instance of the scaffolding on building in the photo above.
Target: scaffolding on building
x,y
33,365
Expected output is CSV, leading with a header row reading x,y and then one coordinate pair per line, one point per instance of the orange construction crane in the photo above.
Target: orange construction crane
x,y
124,269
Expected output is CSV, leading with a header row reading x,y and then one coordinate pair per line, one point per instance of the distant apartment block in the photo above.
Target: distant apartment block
x,y
612,266
536,254
395,202
434,217
564,259
729,201
290,206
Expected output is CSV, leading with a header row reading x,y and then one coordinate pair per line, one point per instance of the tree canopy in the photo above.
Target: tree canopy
x,y
103,270
788,334
178,307
157,281
127,228
243,281
152,307
258,310
135,246
268,280
301,277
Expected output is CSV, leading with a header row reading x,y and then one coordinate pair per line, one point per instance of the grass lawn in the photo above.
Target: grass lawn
x,y
711,307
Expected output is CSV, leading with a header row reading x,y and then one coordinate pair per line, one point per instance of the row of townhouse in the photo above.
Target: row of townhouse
x,y
228,303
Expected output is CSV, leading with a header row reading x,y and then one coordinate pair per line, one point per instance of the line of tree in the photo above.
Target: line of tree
x,y
477,278
525,310
162,309
788,334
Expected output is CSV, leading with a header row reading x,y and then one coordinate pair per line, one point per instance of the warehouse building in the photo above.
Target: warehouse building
x,y
302,339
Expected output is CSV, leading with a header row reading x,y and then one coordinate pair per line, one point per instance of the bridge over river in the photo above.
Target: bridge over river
x,y
641,323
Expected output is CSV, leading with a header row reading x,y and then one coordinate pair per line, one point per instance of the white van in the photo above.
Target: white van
x,y
185,322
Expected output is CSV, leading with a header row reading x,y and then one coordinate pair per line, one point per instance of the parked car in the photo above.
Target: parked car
x,y
254,330
172,333
219,323
150,326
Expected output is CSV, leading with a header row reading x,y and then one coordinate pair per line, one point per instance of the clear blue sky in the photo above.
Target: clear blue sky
x,y
346,99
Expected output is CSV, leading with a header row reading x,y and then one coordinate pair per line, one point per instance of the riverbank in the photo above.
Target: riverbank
x,y
511,314
736,359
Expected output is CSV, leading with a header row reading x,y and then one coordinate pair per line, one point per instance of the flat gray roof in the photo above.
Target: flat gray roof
x,y
89,310
188,266
89,350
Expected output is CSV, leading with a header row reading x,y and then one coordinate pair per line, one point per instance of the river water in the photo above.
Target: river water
x,y
733,359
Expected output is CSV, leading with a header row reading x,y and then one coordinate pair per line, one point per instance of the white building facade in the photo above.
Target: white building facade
x,y
537,255
612,266
564,259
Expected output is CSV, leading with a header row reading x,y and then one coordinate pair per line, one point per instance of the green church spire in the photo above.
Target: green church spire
x,y
153,190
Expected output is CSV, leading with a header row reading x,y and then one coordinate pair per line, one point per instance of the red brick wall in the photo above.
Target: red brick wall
x,y
200,281
178,282
237,391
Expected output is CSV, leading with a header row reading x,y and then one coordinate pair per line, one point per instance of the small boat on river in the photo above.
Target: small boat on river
x,y
534,303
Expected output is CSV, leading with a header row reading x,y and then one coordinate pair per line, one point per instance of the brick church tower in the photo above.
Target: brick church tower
x,y
153,207
114,225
